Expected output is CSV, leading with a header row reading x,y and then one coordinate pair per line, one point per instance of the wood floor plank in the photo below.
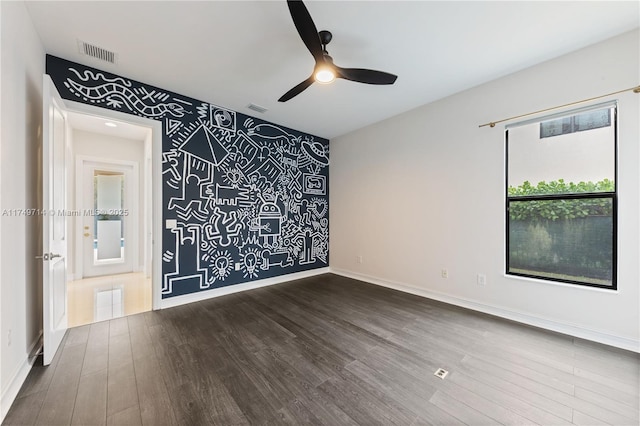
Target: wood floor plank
x,y
611,404
515,385
439,352
168,355
609,382
362,406
119,350
217,402
136,321
250,398
600,412
622,387
582,419
459,410
519,406
122,388
408,394
325,410
91,401
24,410
433,415
624,391
118,326
40,377
127,417
479,402
153,398
141,342
77,335
626,371
326,350
288,353
188,407
595,349
546,379
57,407
97,353
298,411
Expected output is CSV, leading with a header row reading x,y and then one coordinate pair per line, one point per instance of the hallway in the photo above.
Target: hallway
x,y
107,297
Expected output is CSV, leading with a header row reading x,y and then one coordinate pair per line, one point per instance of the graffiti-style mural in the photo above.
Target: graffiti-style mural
x,y
243,199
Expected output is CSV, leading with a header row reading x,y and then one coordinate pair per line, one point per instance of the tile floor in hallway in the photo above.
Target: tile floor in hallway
x,y
107,297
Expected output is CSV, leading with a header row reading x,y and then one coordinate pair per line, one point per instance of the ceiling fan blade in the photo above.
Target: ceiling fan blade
x,y
365,76
306,28
297,90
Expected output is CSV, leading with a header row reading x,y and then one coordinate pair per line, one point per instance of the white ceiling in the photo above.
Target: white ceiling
x,y
94,124
241,52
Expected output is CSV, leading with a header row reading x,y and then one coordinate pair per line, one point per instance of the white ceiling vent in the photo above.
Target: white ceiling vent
x,y
97,52
257,108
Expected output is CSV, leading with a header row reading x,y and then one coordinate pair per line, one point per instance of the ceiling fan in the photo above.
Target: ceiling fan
x,y
325,71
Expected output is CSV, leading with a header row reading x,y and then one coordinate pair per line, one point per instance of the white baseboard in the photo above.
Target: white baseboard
x,y
209,294
521,317
11,391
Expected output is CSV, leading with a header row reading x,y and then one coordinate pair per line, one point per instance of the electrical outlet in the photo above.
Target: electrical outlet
x,y
359,259
482,279
444,273
441,373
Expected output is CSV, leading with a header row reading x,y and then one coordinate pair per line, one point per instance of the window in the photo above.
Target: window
x,y
575,123
561,198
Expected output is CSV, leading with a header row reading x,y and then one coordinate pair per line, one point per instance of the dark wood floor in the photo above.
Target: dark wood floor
x,y
326,350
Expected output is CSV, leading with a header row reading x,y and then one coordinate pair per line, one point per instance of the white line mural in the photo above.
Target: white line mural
x,y
243,199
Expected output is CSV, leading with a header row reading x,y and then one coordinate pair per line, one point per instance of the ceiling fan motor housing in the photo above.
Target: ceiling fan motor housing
x,y
325,37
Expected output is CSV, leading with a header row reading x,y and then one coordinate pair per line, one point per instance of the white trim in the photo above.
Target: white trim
x,y
222,291
561,284
521,317
11,391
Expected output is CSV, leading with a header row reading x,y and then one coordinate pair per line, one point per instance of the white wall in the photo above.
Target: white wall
x,y
22,66
106,148
424,191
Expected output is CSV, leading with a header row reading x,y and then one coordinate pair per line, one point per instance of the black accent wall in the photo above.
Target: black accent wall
x,y
243,199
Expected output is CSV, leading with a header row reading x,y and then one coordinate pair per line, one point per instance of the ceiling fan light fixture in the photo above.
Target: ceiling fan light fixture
x,y
325,71
324,75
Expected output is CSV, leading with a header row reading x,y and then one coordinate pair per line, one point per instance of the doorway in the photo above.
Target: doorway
x,y
112,195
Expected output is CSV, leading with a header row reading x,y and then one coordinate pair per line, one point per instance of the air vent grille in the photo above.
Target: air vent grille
x,y
257,108
97,52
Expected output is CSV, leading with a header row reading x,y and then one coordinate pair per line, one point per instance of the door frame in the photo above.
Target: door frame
x,y
54,245
130,168
154,175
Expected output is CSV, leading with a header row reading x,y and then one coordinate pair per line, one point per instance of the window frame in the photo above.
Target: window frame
x,y
613,196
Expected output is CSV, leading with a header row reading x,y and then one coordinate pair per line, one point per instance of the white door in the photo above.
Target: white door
x,y
54,239
109,243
